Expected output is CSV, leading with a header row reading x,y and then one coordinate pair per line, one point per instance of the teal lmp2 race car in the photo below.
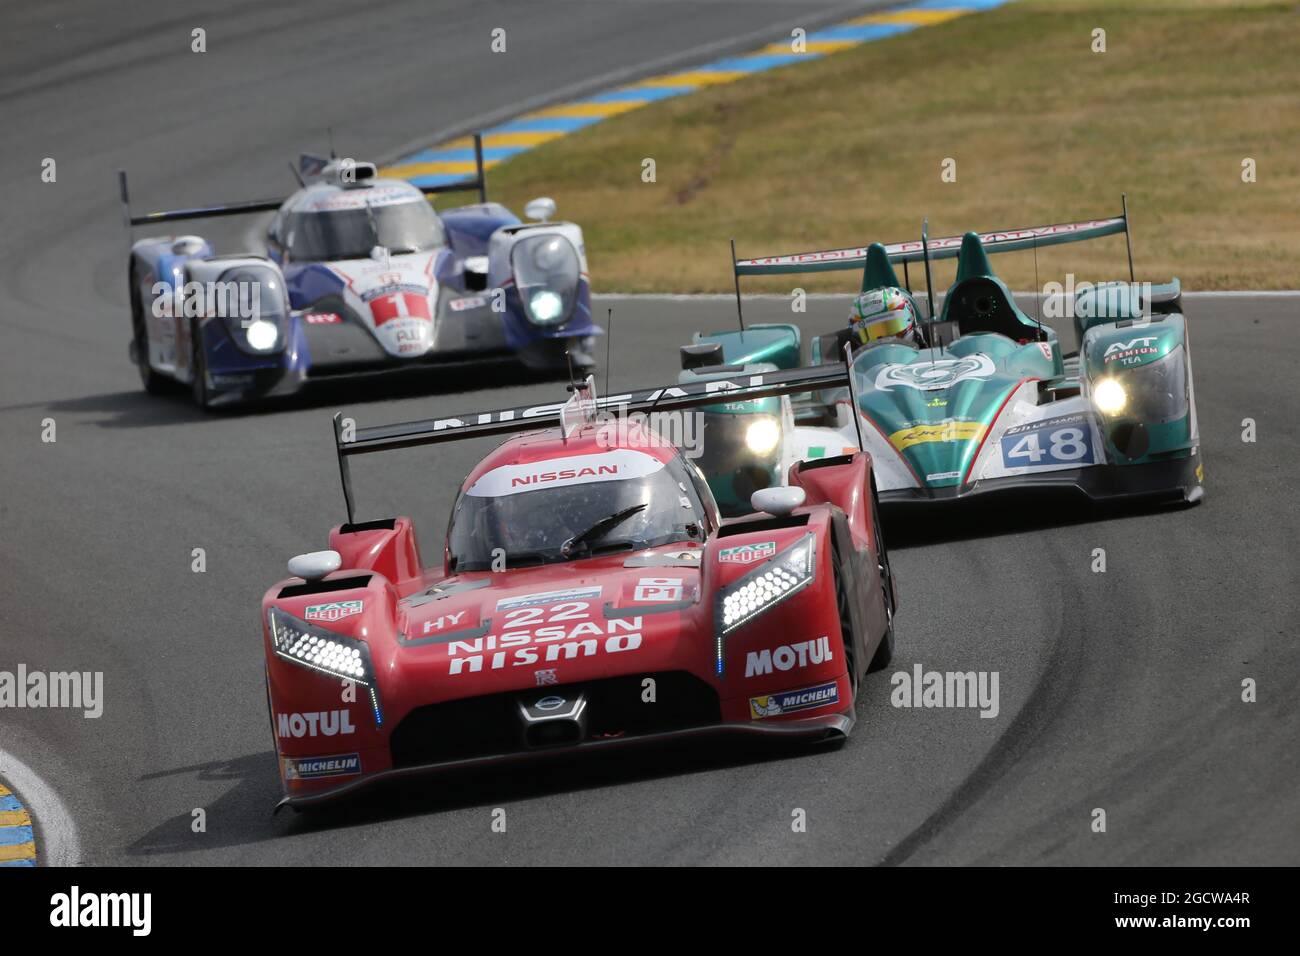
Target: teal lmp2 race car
x,y
982,397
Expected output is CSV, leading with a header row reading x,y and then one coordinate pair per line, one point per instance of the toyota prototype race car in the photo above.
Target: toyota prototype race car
x,y
587,597
980,398
361,276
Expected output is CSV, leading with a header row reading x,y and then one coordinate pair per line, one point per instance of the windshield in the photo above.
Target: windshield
x,y
526,513
1157,391
351,233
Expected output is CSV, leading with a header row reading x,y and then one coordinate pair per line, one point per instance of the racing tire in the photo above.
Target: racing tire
x,y
199,366
885,652
152,382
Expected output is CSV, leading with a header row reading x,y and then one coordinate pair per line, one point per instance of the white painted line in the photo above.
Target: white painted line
x,y
777,296
57,840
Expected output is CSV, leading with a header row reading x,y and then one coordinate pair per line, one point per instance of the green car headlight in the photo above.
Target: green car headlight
x,y
1109,397
763,435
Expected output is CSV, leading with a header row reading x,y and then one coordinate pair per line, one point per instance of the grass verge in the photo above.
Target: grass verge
x,y
848,149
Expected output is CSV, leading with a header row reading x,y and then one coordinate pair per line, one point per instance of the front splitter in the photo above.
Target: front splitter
x,y
1178,479
811,728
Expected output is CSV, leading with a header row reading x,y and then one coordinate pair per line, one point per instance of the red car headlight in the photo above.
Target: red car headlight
x,y
315,648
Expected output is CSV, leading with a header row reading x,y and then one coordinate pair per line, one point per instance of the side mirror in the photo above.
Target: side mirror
x,y
541,209
778,501
315,565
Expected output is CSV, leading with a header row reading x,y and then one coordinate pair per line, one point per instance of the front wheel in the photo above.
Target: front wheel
x,y
152,382
199,367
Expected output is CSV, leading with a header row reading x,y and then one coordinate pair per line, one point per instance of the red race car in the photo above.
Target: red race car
x,y
588,596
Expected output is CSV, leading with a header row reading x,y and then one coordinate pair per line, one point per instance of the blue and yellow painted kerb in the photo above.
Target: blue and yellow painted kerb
x,y
454,161
17,842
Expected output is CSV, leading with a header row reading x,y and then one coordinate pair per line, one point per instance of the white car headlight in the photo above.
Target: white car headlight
x,y
315,648
262,335
763,435
547,271
545,306
767,585
1109,397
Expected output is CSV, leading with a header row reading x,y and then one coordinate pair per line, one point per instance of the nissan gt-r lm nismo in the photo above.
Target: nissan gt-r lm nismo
x,y
588,596
361,276
983,399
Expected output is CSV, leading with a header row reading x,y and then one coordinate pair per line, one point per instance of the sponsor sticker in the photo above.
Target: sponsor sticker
x,y
1134,352
322,318
658,590
948,430
747,553
571,471
309,768
334,611
360,198
469,302
788,657
942,475
792,701
443,621
326,723
529,634
548,597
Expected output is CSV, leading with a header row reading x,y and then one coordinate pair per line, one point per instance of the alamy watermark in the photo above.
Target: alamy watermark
x,y
618,428
197,300
1086,300
947,689
75,690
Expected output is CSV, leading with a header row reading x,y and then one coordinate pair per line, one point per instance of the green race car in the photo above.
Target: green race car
x,y
983,398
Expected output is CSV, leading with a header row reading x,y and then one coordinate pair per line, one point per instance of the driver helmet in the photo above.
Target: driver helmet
x,y
881,314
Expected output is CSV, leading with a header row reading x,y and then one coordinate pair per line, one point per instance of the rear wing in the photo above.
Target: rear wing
x,y
350,440
949,247
477,184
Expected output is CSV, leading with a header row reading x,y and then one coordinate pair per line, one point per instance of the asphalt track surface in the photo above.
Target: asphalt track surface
x,y
1118,690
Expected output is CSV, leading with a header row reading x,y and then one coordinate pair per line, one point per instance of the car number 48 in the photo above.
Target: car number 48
x,y
1059,446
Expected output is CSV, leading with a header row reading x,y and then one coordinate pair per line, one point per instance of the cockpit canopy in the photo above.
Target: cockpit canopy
x,y
326,223
527,512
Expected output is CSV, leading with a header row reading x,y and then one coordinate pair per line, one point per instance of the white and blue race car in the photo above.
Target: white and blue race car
x,y
360,276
